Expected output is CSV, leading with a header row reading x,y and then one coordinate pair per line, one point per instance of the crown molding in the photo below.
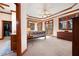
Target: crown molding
x,y
63,10
57,12
34,17
66,13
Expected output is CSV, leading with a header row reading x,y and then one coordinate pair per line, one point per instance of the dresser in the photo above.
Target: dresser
x,y
65,35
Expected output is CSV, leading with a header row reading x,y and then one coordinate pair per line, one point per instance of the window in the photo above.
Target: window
x,y
49,27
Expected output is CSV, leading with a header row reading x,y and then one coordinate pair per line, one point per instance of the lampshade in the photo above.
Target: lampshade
x,y
28,29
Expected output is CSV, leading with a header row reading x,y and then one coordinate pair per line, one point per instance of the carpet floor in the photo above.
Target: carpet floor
x,y
52,46
5,48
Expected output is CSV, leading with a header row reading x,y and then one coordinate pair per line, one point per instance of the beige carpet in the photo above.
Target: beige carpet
x,y
5,47
52,46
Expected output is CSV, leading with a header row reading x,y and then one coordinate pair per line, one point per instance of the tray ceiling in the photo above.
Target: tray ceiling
x,y
36,9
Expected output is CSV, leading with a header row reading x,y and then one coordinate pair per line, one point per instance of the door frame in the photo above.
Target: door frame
x,y
3,28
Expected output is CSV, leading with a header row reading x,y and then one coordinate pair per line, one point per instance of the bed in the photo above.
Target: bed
x,y
36,34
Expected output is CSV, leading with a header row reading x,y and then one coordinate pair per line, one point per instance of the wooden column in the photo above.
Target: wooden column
x,y
18,28
75,42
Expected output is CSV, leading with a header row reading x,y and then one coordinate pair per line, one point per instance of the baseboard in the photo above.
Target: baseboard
x,y
23,52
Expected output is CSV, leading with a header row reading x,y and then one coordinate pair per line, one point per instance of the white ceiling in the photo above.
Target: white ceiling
x,y
8,9
36,9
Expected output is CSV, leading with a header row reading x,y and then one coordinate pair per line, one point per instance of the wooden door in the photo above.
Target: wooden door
x,y
75,36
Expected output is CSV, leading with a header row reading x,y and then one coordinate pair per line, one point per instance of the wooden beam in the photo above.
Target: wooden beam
x,y
5,12
2,7
13,11
18,28
4,4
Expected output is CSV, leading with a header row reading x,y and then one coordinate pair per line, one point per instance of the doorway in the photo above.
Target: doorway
x,y
49,27
7,27
5,48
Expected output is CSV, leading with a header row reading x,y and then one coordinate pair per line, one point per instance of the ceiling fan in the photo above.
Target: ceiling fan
x,y
45,12
2,5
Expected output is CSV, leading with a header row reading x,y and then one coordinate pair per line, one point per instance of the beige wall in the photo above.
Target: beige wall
x,y
55,26
23,27
13,23
36,27
3,17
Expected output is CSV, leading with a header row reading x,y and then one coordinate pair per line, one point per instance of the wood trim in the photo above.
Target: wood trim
x,y
5,12
4,4
13,11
